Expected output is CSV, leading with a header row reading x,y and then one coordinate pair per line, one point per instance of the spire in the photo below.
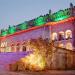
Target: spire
x,y
71,5
50,11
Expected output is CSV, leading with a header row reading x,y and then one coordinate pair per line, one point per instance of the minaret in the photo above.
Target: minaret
x,y
71,7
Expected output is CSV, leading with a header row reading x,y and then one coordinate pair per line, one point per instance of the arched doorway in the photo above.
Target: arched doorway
x,y
68,34
61,35
54,36
24,48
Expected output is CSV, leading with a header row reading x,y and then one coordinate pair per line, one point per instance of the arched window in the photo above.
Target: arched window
x,y
24,48
12,47
69,46
61,35
54,36
18,47
4,46
68,34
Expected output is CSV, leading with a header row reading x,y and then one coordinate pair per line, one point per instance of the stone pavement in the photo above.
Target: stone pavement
x,y
49,72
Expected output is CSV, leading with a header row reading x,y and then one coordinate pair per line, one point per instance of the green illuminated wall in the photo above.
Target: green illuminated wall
x,y
39,21
12,30
23,26
4,33
61,15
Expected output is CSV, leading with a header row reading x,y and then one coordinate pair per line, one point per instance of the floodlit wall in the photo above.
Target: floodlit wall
x,y
7,43
63,34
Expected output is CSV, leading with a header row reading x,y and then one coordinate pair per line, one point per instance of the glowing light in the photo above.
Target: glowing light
x,y
36,61
61,15
23,26
4,33
39,21
61,18
12,30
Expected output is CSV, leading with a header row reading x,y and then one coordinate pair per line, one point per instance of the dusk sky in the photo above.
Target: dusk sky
x,y
13,12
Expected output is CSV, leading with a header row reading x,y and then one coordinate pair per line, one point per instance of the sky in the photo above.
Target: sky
x,y
13,12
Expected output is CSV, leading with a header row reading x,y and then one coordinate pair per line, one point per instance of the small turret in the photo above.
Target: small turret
x,y
71,5
50,11
71,9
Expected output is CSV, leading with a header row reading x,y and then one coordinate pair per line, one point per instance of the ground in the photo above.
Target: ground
x,y
49,72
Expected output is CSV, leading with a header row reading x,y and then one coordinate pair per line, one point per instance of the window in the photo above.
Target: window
x,y
12,48
18,47
69,46
3,44
24,48
61,35
68,34
54,36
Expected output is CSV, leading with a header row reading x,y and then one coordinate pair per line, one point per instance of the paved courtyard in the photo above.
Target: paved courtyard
x,y
49,72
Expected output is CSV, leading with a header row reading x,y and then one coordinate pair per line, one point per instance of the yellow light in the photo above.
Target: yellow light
x,y
36,61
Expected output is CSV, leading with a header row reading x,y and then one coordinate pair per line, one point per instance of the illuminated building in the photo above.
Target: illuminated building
x,y
58,26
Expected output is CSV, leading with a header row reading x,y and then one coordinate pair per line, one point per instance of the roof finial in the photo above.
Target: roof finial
x,y
50,11
71,5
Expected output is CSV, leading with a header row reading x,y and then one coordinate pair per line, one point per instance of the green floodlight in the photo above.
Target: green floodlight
x,y
61,15
12,30
39,21
4,33
23,26
61,18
